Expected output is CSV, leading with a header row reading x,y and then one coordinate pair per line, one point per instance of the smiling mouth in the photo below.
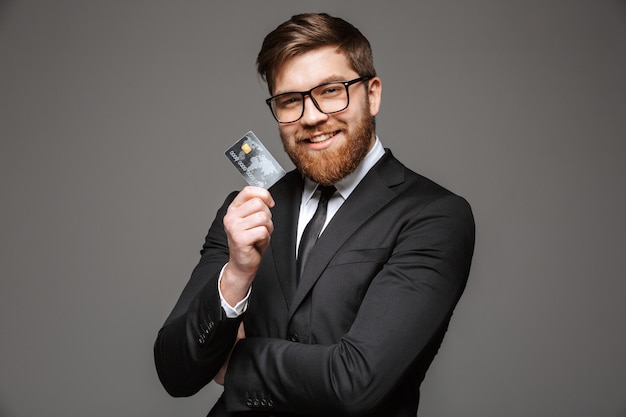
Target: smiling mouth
x,y
321,138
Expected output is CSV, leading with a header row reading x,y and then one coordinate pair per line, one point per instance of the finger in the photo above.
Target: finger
x,y
262,218
250,208
250,192
246,234
242,227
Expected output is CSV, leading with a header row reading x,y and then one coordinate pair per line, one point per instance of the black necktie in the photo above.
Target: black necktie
x,y
314,227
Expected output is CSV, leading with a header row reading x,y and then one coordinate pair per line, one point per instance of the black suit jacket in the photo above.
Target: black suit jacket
x,y
358,332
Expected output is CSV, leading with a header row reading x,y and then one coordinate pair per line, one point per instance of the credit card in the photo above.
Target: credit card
x,y
254,162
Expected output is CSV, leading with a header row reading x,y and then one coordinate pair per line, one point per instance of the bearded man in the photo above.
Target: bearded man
x,y
330,293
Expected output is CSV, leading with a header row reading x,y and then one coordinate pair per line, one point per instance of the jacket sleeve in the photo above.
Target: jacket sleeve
x,y
197,337
398,327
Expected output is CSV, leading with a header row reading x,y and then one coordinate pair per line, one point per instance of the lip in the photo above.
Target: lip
x,y
321,140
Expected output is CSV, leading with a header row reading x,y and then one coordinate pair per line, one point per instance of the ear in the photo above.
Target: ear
x,y
374,92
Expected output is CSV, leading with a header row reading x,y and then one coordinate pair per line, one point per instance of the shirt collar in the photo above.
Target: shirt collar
x,y
347,184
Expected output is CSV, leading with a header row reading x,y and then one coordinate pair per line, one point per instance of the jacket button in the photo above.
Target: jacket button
x,y
207,327
294,337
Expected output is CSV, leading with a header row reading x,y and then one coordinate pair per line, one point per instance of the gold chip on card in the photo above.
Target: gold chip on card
x,y
246,148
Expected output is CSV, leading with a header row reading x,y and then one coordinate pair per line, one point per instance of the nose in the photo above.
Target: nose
x,y
312,115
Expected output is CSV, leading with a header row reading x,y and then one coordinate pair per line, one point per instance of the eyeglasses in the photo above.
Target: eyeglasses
x,y
328,98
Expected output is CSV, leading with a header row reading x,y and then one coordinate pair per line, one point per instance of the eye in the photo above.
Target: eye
x,y
331,90
289,100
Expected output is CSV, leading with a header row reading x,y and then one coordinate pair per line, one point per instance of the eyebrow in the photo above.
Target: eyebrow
x,y
333,78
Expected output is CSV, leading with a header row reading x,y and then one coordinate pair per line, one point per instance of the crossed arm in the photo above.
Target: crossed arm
x,y
398,327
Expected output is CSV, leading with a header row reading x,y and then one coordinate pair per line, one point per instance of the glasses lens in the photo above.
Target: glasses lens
x,y
287,107
331,98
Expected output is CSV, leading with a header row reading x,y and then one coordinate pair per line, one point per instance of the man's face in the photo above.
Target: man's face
x,y
327,147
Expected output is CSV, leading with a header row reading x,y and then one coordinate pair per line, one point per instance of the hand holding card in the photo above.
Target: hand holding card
x,y
254,162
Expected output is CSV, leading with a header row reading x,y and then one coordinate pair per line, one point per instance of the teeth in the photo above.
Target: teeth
x,y
322,138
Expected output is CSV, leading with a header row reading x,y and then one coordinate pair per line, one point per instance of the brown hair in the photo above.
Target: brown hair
x,y
305,32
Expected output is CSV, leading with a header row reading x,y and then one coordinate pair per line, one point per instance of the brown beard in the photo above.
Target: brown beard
x,y
328,166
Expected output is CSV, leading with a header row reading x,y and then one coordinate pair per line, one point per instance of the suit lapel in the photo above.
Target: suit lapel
x,y
371,195
287,196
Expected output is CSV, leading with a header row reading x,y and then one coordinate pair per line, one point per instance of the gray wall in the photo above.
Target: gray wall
x,y
113,120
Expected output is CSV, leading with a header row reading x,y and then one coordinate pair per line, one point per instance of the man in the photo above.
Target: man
x,y
354,328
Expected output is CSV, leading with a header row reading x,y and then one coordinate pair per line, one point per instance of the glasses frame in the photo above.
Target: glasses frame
x,y
346,85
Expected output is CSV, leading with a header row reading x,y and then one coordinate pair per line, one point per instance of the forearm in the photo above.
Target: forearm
x,y
191,348
354,376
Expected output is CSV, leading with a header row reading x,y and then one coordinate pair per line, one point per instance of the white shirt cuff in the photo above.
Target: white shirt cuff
x,y
239,308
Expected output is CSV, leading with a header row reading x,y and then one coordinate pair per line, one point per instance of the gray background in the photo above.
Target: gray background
x,y
113,120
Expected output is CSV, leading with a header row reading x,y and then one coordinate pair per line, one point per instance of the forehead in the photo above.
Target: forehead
x,y
312,68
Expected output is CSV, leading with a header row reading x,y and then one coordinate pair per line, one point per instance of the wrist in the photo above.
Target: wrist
x,y
234,286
